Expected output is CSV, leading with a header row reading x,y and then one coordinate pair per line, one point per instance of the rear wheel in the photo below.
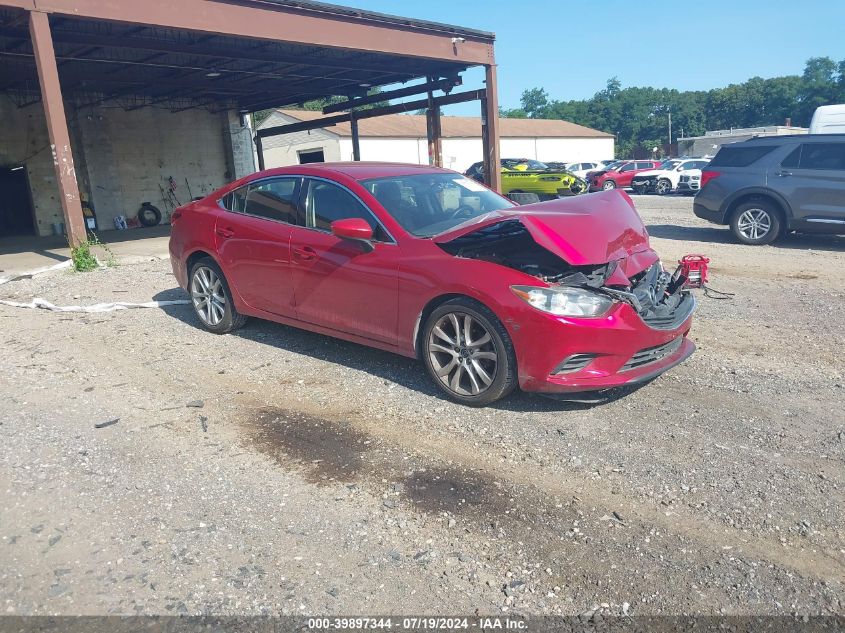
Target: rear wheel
x,y
756,222
212,298
468,353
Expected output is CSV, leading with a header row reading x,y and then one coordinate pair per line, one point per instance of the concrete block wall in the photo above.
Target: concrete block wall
x,y
24,141
132,155
122,158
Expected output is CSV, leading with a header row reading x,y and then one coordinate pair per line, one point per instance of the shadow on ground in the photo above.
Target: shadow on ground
x,y
393,368
722,235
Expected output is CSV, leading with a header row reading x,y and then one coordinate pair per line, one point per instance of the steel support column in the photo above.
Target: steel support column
x,y
490,131
356,140
54,110
433,132
259,150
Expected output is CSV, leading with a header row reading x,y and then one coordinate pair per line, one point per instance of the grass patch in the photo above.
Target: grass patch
x,y
85,260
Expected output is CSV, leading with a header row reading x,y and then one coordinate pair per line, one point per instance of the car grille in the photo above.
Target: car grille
x,y
574,363
665,318
651,355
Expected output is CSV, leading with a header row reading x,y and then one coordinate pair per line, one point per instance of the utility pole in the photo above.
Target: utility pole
x,y
670,132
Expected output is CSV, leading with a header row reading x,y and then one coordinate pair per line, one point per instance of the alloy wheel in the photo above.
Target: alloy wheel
x,y
663,187
462,354
754,224
608,184
208,296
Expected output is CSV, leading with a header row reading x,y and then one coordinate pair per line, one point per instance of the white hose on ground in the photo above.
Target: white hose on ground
x,y
43,304
33,273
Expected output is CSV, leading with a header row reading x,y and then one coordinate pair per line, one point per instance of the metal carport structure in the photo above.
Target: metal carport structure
x,y
239,55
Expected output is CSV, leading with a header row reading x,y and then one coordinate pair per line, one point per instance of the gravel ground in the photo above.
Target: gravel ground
x,y
275,471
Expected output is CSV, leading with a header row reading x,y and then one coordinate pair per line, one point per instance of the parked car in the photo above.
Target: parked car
x,y
690,182
560,296
524,175
606,166
581,169
767,186
667,177
621,175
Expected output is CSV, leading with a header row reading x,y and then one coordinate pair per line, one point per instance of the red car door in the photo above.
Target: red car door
x,y
341,284
253,242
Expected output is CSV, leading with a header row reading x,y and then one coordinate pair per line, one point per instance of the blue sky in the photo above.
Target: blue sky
x,y
573,48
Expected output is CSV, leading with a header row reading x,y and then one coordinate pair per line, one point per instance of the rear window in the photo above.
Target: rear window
x,y
740,156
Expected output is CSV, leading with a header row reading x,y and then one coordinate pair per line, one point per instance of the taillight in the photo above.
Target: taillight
x,y
707,176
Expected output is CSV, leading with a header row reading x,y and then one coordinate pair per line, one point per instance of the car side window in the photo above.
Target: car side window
x,y
793,159
273,199
235,200
326,202
828,156
629,167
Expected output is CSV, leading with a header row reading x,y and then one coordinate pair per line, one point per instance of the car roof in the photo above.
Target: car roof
x,y
798,138
359,170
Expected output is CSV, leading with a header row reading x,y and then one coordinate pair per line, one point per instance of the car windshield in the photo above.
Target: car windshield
x,y
532,165
669,164
429,204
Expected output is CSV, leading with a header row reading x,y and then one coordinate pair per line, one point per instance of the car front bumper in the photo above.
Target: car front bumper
x,y
622,350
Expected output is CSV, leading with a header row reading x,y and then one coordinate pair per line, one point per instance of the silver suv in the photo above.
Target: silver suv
x,y
767,186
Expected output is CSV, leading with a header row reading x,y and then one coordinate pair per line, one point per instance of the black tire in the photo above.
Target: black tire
x,y
505,378
664,186
764,214
231,319
149,215
608,184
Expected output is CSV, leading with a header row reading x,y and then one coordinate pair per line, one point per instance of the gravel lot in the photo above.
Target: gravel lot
x,y
321,477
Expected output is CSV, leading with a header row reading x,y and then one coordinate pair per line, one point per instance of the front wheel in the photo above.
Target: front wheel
x,y
664,186
212,298
756,223
468,353
608,185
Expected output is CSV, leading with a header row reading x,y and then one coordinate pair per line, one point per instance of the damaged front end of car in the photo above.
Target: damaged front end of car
x,y
606,313
657,296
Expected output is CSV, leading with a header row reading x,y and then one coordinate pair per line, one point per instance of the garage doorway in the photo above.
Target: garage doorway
x,y
311,156
16,217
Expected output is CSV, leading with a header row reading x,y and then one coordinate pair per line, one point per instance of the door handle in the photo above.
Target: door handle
x,y
225,232
306,253
783,173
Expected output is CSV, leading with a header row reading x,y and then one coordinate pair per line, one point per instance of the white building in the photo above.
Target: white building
x,y
402,138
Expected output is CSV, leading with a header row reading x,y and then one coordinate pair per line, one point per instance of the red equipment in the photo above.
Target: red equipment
x,y
694,269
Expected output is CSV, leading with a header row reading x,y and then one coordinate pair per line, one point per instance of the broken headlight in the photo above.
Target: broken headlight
x,y
564,301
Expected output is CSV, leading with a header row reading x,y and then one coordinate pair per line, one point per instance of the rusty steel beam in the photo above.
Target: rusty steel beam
x,y
490,131
428,86
356,139
288,24
461,97
54,109
433,132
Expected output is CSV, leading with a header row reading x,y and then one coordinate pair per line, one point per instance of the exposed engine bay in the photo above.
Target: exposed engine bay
x,y
657,296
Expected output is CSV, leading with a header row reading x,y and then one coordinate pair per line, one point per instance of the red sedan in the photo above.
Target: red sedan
x,y
561,296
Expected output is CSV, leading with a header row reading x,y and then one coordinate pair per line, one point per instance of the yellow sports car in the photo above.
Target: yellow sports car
x,y
523,175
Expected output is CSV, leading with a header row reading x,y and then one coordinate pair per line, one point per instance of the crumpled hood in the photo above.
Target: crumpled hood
x,y
652,172
591,229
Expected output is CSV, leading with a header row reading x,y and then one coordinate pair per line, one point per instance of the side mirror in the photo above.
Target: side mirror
x,y
357,229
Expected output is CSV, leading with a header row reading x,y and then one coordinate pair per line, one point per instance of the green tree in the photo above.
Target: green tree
x,y
638,116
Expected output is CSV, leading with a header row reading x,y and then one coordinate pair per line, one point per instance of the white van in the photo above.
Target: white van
x,y
829,119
